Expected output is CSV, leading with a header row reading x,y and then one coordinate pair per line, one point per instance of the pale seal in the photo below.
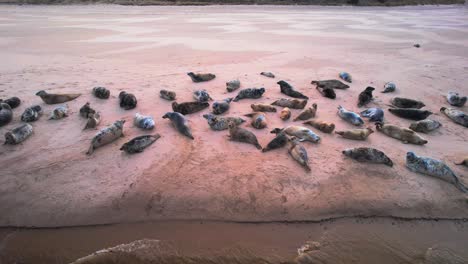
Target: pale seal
x,y
189,107
219,123
346,77
349,116
285,114
86,110
370,155
59,112
374,114
138,144
268,74
31,114
290,103
220,107
6,115
101,92
456,116
425,126
259,120
401,133
302,133
298,153
307,113
13,102
19,134
180,123
201,77
365,96
252,93
127,100
332,84
106,136
410,113
455,99
279,141
263,108
323,126
356,134
56,98
168,95
406,103
389,87
143,122
202,96
434,168
232,85
287,89
239,134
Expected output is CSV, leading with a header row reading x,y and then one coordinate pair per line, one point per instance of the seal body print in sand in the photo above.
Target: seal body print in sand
x,y
19,134
189,107
406,103
325,127
259,120
233,85
251,93
138,144
13,102
127,100
6,115
290,103
32,113
201,77
356,134
101,92
370,155
106,136
346,77
240,134
221,107
374,114
219,123
434,168
349,116
202,96
180,123
287,89
410,113
456,116
331,84
263,108
56,98
425,126
455,99
307,113
301,133
401,133
168,95
298,152
143,122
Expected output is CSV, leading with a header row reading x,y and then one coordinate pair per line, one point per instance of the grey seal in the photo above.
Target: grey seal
x,y
356,134
455,99
86,110
127,100
298,153
189,107
425,126
32,113
239,134
285,114
332,84
346,77
307,113
168,95
219,123
232,85
13,102
410,113
455,115
406,103
180,123
259,120
143,122
290,103
401,133
138,144
370,155
263,108
252,93
93,120
59,112
56,98
389,87
101,92
6,115
302,133
18,134
323,126
202,96
268,74
220,107
279,141
106,136
374,114
287,89
201,77
365,96
327,92
349,116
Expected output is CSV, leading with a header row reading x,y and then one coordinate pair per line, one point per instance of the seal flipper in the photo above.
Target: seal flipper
x,y
90,150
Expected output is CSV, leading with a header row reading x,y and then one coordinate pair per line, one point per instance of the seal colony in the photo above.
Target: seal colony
x,y
291,136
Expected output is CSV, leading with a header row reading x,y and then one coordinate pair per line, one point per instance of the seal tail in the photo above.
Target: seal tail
x,y
461,186
258,146
90,150
265,149
307,167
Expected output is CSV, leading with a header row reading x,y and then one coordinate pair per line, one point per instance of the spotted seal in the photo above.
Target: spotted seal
x,y
180,123
127,100
32,113
326,92
86,110
356,134
279,141
201,77
168,95
239,134
374,114
259,120
189,107
287,89
218,123
233,85
401,102
370,155
290,103
93,120
298,153
401,133
349,116
323,126
101,92
6,115
268,74
252,93
18,134
220,107
307,113
332,84
106,136
425,126
346,77
410,113
138,144
455,115
59,112
13,102
285,114
143,122
202,96
365,96
56,98
389,87
263,108
302,133
455,99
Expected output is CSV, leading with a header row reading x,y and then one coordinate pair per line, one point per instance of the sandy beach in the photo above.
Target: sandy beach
x,y
48,181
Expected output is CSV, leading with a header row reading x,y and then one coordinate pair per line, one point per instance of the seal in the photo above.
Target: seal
x,y
268,74
19,134
285,114
189,107
401,133
127,100
389,87
356,134
138,144
143,122
202,96
59,112
220,107
290,103
455,115
259,120
406,103
101,92
56,98
463,162
31,114
307,113
279,141
240,134
218,123
13,102
434,168
332,84
346,77
302,133
365,96
323,126
370,155
327,92
454,99
298,153
6,115
106,136
180,123
410,113
349,116
425,126
168,95
262,108
233,85
86,110
374,114
253,93
287,89
201,77
93,120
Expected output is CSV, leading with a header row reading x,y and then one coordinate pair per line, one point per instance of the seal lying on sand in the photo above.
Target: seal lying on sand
x,y
370,155
263,108
101,92
307,113
389,87
202,96
127,100
434,168
6,115
180,123
401,133
365,96
425,126
455,99
19,134
290,103
285,114
201,77
298,152
456,116
349,116
93,120
356,134
232,85
374,114
56,98
31,114
406,103
252,93
410,113
287,89
86,110
13,102
327,92
259,120
218,123
279,141
332,84
268,74
463,162
143,122
239,134
168,95
321,125
138,144
189,107
220,107
59,112
106,136
346,77
302,133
